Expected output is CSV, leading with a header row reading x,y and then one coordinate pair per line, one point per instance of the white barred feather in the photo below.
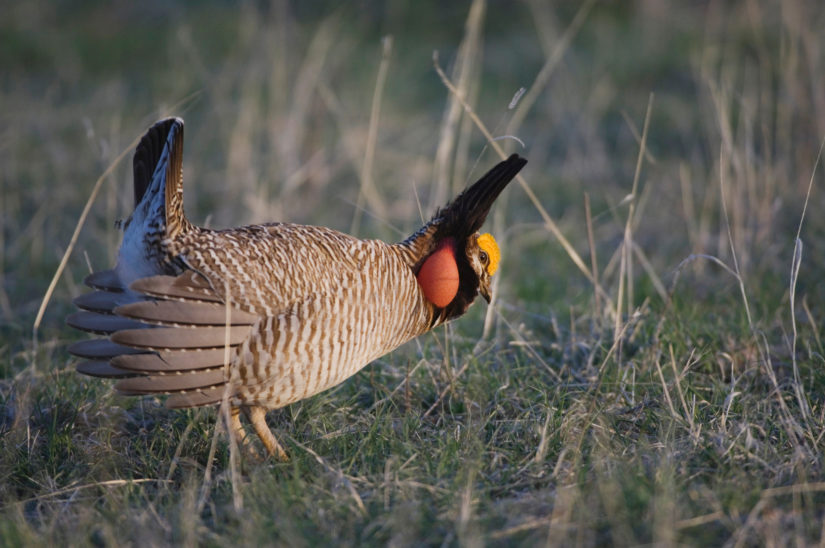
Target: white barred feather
x,y
308,306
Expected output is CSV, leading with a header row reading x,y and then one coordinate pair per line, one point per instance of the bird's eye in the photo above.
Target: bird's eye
x,y
483,256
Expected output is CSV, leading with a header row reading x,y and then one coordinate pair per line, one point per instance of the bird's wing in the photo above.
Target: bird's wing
x,y
192,339
265,269
97,316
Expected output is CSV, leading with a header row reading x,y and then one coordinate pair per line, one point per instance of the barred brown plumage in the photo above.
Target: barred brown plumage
x,y
265,315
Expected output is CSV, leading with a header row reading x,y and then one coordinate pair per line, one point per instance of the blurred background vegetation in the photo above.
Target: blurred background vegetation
x,y
682,403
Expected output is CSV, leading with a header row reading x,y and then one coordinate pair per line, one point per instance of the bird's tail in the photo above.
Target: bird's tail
x,y
158,173
158,214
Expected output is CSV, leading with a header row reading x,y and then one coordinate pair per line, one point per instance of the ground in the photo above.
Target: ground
x,y
650,371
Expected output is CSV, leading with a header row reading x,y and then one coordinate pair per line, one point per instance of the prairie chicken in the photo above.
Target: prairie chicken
x,y
266,315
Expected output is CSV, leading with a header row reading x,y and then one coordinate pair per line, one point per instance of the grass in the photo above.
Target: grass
x,y
666,389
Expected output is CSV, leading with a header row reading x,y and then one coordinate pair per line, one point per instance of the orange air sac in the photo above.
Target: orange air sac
x,y
438,276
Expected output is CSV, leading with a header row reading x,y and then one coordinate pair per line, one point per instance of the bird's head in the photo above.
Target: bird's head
x,y
455,272
460,262
483,255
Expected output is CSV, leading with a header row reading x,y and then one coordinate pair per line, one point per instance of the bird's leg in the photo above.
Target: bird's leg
x,y
257,416
237,431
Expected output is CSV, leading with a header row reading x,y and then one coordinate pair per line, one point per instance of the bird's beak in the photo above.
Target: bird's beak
x,y
486,293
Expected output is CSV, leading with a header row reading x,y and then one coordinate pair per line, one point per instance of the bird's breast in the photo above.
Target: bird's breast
x,y
324,317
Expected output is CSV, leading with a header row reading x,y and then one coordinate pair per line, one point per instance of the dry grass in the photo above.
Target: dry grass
x,y
651,370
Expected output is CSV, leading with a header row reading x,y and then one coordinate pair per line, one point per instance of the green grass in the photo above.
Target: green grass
x,y
673,407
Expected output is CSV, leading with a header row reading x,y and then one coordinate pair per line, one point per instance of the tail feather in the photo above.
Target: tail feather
x,y
158,206
158,188
149,153
176,222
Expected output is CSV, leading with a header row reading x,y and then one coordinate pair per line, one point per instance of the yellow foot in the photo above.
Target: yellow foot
x,y
257,417
237,431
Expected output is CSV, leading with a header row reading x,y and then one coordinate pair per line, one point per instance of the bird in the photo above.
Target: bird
x,y
262,316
